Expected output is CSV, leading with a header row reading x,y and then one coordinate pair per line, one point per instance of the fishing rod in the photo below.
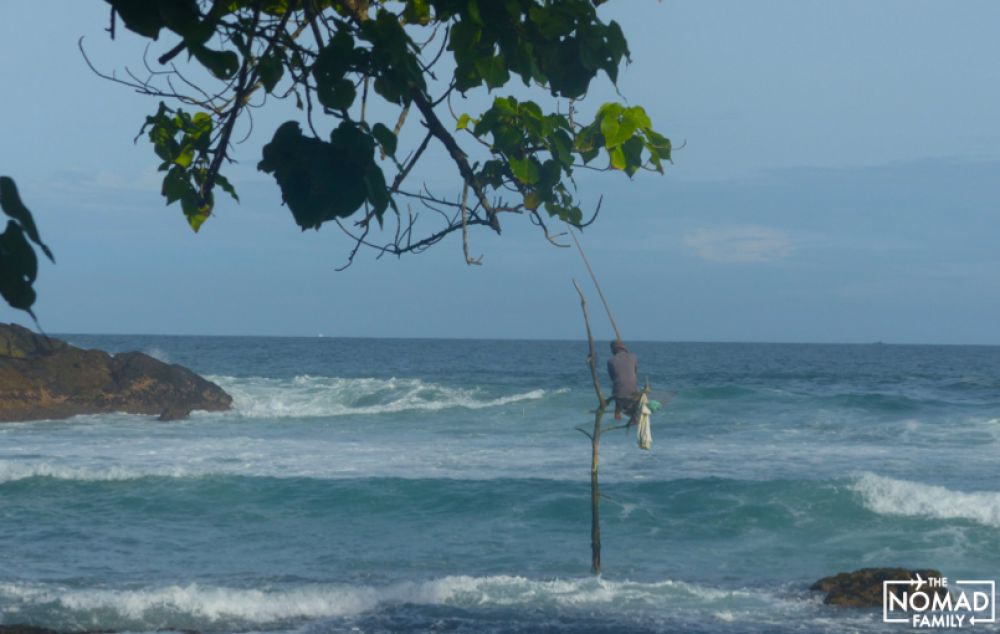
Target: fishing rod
x,y
607,309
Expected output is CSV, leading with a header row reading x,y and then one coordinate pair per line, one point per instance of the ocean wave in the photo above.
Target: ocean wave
x,y
309,396
888,496
179,606
12,471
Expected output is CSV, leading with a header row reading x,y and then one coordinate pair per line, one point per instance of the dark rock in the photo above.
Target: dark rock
x,y
863,588
45,378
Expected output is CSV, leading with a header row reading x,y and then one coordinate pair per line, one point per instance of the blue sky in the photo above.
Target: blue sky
x,y
838,184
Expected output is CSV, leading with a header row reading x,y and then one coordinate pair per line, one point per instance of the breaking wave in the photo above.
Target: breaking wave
x,y
195,605
11,471
313,396
888,496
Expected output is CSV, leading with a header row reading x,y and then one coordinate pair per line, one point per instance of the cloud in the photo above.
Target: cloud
x,y
740,244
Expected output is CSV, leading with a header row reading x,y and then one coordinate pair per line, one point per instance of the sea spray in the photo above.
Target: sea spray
x,y
315,396
903,497
280,605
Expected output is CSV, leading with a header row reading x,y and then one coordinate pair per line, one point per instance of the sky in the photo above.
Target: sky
x,y
838,182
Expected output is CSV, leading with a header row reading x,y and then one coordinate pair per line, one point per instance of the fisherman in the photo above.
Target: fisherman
x,y
623,367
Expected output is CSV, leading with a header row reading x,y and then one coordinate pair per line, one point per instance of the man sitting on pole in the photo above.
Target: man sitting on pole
x,y
623,367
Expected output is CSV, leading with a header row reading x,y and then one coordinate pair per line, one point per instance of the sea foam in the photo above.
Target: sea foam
x,y
901,497
309,396
198,605
11,471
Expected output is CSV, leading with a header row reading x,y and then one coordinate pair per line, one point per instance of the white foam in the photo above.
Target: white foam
x,y
11,471
314,396
183,603
159,354
901,497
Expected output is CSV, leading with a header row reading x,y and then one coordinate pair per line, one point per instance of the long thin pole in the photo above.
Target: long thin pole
x,y
595,446
593,277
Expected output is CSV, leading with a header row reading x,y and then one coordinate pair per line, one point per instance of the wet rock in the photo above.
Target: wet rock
x,y
45,378
863,588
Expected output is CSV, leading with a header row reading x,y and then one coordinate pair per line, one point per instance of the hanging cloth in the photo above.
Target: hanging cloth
x,y
643,434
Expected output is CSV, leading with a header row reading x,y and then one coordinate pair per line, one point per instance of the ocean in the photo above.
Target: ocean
x,y
379,485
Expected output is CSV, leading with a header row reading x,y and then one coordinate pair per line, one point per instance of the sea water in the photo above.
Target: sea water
x,y
426,485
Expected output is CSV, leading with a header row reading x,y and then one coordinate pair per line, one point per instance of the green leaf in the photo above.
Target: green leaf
x,y
16,249
417,12
196,210
659,144
320,180
185,156
505,105
463,38
493,70
334,59
562,147
222,64
175,185
141,16
226,186
611,129
618,158
636,118
182,17
473,9
378,194
616,42
338,94
10,202
550,174
532,200
385,137
615,126
507,138
632,151
18,268
525,170
270,69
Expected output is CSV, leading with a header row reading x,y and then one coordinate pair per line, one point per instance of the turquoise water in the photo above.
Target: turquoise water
x,y
418,485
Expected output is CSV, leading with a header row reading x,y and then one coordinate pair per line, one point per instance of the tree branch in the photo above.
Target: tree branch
x,y
436,128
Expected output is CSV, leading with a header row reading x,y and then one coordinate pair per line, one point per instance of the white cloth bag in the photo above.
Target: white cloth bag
x,y
643,434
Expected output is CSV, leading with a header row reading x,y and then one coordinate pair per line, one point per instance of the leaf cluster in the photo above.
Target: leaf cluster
x,y
183,142
334,56
18,262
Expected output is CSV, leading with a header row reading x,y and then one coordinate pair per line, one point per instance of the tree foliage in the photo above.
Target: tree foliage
x,y
335,58
18,262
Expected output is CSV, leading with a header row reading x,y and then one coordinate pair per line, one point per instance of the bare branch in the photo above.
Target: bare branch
x,y
594,217
172,53
111,28
465,231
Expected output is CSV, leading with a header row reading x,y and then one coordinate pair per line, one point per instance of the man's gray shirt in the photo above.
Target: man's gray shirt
x,y
624,371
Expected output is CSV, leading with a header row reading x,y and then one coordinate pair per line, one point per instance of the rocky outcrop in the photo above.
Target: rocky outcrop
x,y
863,588
45,378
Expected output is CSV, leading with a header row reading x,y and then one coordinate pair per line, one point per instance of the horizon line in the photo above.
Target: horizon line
x,y
532,339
